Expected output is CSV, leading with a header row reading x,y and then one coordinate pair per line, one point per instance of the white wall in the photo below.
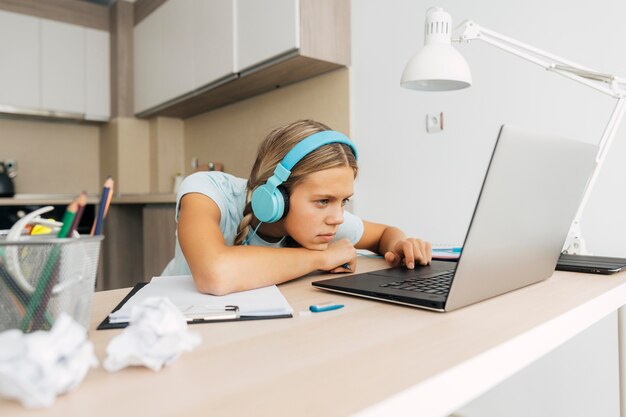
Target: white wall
x,y
427,184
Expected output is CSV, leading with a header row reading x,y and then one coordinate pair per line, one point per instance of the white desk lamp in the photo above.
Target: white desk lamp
x,y
440,67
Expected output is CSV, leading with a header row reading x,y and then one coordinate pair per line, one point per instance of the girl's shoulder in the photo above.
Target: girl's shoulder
x,y
226,190
214,180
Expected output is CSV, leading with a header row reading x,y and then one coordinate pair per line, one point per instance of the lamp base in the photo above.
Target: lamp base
x,y
577,247
575,243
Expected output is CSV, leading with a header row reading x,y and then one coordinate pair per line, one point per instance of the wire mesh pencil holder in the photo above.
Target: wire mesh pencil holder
x,y
41,277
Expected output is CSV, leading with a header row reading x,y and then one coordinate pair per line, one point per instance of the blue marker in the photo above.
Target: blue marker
x,y
448,250
328,306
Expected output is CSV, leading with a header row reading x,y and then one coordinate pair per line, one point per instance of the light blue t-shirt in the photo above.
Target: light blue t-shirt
x,y
229,193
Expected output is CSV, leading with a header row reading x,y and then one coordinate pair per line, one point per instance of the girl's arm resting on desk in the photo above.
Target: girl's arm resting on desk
x,y
394,245
221,269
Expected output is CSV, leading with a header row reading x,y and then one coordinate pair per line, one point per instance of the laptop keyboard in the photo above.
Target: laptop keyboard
x,y
438,284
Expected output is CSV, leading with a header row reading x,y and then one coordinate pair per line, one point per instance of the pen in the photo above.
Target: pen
x,y
448,250
327,306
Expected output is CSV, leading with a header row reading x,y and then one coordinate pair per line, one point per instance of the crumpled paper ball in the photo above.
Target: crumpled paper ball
x,y
37,367
156,336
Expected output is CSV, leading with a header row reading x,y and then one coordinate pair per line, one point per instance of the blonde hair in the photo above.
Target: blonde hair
x,y
274,148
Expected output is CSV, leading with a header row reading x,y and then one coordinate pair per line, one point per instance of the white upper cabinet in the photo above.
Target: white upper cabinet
x,y
19,60
181,46
176,47
164,52
214,40
147,63
53,66
97,75
195,55
62,67
265,30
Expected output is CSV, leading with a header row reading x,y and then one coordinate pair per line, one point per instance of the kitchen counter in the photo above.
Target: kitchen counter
x,y
154,198
60,199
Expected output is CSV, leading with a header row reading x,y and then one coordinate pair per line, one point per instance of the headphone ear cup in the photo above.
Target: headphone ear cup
x,y
268,203
285,195
263,204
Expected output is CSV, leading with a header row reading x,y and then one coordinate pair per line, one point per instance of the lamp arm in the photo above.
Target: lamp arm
x,y
605,143
606,83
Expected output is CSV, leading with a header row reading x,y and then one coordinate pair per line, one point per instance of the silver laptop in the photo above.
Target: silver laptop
x,y
530,194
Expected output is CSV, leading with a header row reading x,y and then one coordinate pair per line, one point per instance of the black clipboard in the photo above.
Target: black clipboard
x,y
106,324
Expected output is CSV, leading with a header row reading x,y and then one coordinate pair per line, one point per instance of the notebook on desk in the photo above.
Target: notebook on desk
x,y
530,194
262,303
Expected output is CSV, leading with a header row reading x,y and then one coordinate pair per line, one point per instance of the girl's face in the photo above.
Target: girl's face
x,y
316,207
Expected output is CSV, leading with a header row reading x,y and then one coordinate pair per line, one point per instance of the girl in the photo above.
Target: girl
x,y
285,221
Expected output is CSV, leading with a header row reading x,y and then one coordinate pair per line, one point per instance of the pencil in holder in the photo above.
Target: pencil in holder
x,y
40,278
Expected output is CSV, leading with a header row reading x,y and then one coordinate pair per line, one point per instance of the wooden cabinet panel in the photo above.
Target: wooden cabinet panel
x,y
122,248
19,70
139,242
159,235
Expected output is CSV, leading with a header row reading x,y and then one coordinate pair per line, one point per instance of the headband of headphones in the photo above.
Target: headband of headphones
x,y
308,145
268,201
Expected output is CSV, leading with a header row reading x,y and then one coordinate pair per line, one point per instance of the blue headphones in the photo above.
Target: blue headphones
x,y
270,201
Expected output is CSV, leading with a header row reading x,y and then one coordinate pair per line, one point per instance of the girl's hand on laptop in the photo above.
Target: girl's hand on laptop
x,y
339,257
411,250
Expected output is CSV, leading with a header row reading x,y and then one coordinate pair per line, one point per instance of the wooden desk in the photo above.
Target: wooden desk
x,y
369,358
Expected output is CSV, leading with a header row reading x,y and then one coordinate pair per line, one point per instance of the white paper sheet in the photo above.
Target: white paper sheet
x,y
181,290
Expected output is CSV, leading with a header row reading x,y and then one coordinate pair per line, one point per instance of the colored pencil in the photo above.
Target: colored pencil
x,y
108,204
82,202
102,207
68,218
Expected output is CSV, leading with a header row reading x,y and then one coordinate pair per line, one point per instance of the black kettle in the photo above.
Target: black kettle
x,y
7,189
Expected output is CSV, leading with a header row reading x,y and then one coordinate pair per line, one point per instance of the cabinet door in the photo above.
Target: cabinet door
x,y
176,41
97,79
159,238
62,66
214,40
164,54
265,30
19,52
147,63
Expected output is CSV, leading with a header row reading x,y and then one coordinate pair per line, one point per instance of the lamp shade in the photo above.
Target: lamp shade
x,y
438,66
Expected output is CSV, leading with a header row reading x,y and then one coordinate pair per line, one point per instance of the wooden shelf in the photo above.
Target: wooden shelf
x,y
43,199
60,199
153,198
291,69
